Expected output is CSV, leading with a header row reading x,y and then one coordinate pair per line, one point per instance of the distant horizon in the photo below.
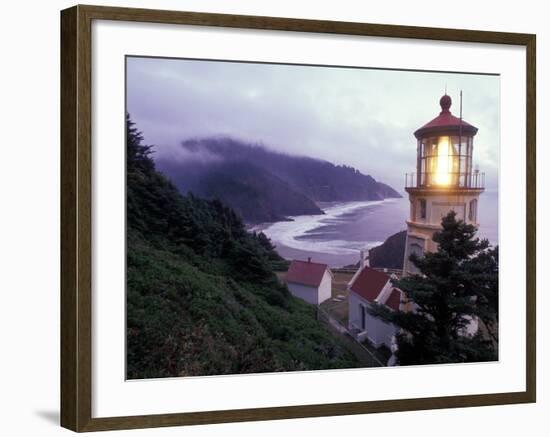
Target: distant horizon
x,y
346,116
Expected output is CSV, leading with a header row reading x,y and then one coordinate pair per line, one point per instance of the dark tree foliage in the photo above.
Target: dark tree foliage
x,y
201,296
389,254
137,154
457,283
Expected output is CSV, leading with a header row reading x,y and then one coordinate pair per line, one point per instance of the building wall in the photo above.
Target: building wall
x,y
313,295
304,292
354,310
325,289
378,332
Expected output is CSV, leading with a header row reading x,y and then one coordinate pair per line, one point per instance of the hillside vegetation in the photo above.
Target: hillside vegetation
x,y
391,253
201,296
254,193
265,186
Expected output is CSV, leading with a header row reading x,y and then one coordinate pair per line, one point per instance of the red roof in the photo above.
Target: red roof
x,y
394,301
369,283
446,122
306,273
445,119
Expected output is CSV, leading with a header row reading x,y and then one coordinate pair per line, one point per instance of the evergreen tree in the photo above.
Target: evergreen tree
x,y
137,152
456,283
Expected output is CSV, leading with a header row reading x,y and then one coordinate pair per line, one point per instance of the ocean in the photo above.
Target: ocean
x,y
336,237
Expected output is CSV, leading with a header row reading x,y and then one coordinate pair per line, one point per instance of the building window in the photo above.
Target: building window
x,y
418,250
473,210
423,208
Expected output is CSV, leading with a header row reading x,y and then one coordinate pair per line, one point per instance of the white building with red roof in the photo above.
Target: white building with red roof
x,y
367,288
309,281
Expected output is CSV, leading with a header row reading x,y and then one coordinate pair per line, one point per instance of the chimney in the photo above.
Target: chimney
x,y
308,259
361,259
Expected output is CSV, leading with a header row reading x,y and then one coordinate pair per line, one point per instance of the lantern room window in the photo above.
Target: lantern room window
x,y
445,160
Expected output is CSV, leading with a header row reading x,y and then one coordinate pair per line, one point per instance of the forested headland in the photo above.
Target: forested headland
x,y
202,298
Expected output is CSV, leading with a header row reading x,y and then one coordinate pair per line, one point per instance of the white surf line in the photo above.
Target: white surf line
x,y
286,233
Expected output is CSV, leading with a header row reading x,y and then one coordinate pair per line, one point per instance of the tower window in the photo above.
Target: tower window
x,y
423,208
417,250
473,210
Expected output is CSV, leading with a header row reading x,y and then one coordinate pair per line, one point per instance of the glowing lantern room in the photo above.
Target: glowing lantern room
x,y
444,152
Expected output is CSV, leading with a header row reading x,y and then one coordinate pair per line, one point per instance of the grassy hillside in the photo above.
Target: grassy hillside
x,y
201,297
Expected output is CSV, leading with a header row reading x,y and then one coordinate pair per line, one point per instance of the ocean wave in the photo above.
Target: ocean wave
x,y
300,232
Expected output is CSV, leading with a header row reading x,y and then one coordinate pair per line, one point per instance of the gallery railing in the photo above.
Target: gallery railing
x,y
471,180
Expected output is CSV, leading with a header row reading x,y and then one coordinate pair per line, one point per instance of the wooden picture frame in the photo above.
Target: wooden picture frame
x,y
76,217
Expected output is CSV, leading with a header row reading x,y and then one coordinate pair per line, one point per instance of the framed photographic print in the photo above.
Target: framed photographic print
x,y
268,218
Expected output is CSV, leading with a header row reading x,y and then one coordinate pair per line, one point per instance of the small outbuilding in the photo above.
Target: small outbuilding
x,y
369,287
309,281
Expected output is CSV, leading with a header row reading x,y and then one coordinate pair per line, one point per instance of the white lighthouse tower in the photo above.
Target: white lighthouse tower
x,y
445,180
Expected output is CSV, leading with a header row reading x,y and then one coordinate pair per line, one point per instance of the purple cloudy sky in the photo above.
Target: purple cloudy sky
x,y
358,117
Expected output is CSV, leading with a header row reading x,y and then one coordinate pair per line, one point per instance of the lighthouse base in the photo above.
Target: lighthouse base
x,y
428,207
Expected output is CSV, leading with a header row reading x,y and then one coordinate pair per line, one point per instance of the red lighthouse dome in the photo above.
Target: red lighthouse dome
x,y
446,123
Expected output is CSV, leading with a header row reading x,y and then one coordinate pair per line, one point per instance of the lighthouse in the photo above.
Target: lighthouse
x,y
445,180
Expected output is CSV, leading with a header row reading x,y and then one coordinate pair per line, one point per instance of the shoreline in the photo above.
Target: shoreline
x,y
322,237
337,237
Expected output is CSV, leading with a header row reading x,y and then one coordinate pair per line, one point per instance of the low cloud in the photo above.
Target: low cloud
x,y
357,117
